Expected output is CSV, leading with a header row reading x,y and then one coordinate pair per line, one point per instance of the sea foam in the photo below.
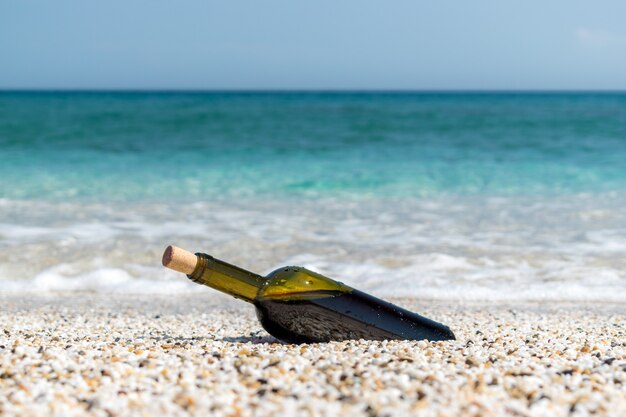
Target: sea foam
x,y
445,248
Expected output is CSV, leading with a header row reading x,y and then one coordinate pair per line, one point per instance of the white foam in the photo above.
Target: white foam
x,y
434,276
491,248
63,278
94,232
88,232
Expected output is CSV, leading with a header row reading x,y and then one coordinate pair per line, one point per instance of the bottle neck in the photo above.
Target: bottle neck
x,y
226,278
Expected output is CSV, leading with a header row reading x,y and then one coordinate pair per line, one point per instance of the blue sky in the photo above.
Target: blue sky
x,y
346,44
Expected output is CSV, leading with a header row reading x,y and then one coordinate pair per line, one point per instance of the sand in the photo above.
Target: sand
x,y
105,355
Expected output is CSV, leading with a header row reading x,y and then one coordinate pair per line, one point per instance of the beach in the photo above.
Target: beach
x,y
431,195
500,215
89,354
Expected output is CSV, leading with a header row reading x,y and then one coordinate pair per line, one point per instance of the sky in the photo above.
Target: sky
x,y
293,44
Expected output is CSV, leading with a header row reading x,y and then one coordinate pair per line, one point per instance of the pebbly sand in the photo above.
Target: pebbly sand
x,y
105,355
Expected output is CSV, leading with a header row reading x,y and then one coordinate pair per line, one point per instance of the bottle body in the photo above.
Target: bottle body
x,y
310,315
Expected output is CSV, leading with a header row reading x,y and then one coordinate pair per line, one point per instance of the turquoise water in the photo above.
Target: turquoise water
x,y
432,195
123,146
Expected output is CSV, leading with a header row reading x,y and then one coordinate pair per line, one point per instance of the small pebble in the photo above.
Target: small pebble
x,y
95,355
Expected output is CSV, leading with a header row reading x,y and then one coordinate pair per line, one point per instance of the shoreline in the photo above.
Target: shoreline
x,y
201,354
194,300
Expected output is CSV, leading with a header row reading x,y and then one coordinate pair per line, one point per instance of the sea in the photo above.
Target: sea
x,y
435,195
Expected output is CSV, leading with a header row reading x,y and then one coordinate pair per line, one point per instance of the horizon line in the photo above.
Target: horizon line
x,y
305,90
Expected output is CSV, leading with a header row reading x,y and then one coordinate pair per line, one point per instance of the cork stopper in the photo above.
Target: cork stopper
x,y
179,260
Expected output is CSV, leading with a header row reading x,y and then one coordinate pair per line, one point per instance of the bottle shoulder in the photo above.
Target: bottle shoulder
x,y
295,282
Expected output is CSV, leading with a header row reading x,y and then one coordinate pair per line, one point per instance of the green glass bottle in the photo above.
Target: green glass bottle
x,y
296,305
